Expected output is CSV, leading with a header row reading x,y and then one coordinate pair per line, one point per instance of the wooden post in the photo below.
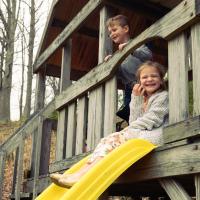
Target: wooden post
x,y
106,48
62,115
40,91
178,79
71,130
37,156
82,107
45,147
174,190
96,105
195,42
18,173
33,151
178,101
2,168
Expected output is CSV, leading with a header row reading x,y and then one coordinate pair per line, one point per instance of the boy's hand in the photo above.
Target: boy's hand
x,y
121,46
138,90
107,57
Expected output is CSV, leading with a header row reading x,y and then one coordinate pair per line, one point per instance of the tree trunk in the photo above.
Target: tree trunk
x,y
9,23
27,108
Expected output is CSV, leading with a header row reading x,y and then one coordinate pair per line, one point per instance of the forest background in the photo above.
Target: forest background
x,y
21,26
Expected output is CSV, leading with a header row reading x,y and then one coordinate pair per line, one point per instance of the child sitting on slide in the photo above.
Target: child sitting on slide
x,y
148,114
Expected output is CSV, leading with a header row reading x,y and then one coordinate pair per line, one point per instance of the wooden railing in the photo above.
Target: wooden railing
x,y
37,127
86,109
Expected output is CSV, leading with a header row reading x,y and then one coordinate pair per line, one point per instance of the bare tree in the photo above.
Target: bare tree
x,y
27,108
9,13
23,66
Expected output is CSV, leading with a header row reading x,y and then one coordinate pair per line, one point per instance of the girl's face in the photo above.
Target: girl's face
x,y
118,34
150,80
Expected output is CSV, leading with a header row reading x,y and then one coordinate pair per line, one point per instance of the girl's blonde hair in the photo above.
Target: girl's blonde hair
x,y
160,68
121,20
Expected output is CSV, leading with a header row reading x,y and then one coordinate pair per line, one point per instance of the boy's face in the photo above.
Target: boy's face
x,y
118,34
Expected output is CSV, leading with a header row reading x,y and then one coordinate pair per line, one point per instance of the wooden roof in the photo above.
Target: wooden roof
x,y
142,13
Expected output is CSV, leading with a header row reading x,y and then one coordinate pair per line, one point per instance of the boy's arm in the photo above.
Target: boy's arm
x,y
143,53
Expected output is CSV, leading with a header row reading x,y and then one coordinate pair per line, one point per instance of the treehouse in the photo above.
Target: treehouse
x,y
73,47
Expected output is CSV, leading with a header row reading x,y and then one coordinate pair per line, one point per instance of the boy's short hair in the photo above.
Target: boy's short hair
x,y
119,20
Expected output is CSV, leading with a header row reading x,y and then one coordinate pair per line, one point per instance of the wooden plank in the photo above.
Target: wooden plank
x,y
2,168
27,128
19,171
178,99
82,108
47,25
37,156
175,161
178,79
45,147
195,43
174,190
105,43
43,183
66,163
161,163
33,151
195,40
95,118
147,9
197,186
66,66
165,28
40,91
71,130
61,134
110,106
66,33
62,115
182,130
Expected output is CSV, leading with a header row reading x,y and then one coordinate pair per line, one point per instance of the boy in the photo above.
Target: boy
x,y
118,29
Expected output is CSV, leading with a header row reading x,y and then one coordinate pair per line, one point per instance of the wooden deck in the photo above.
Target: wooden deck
x,y
86,112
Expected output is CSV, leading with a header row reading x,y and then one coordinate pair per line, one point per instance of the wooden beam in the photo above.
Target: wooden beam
x,y
198,7
55,71
178,79
195,40
65,82
18,171
185,129
40,90
84,30
45,147
38,146
27,128
164,28
174,190
162,164
148,9
66,33
197,186
153,166
2,170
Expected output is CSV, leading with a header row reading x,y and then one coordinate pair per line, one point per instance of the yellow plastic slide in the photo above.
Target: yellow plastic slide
x,y
102,175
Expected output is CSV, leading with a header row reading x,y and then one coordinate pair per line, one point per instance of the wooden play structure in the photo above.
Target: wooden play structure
x,y
73,47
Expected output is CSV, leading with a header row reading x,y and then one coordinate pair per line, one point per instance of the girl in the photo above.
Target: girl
x,y
148,113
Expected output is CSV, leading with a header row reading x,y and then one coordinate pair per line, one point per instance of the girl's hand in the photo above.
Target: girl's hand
x,y
121,46
107,57
138,90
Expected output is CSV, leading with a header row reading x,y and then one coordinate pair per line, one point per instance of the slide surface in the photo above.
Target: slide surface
x,y
101,176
